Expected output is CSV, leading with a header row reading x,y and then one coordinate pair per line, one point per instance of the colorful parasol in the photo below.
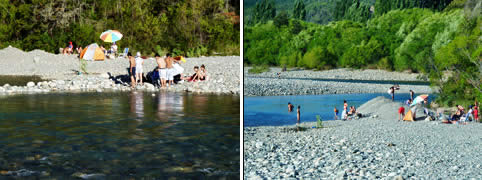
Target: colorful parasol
x,y
111,36
419,99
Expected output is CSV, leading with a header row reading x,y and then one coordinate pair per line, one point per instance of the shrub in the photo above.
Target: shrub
x,y
259,69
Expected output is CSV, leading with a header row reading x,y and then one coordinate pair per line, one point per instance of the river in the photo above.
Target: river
x,y
121,135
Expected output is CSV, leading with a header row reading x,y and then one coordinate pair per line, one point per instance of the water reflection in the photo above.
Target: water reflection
x,y
122,134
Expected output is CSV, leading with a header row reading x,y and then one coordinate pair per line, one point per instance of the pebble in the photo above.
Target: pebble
x,y
359,149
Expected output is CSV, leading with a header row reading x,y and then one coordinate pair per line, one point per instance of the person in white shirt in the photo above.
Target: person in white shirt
x,y
139,70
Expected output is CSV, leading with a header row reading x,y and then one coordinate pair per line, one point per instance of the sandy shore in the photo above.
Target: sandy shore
x,y
367,148
304,82
223,73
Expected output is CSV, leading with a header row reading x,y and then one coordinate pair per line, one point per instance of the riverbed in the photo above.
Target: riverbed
x,y
119,135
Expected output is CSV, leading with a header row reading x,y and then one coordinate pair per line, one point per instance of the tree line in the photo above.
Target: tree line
x,y
184,27
443,45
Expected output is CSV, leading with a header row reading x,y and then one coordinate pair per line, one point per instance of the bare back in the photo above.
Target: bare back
x,y
161,63
132,62
169,62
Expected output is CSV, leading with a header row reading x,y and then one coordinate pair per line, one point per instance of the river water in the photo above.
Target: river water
x,y
121,135
273,110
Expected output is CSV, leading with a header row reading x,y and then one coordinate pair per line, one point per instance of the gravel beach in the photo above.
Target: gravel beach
x,y
378,146
268,83
108,75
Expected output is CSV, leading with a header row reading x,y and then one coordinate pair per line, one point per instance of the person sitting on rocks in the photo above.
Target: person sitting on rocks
x,y
456,116
202,73
195,76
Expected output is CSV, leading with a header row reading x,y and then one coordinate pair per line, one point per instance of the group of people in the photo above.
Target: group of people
x,y
70,49
462,117
167,68
347,114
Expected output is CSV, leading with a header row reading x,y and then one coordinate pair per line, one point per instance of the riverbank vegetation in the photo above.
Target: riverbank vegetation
x,y
192,27
436,39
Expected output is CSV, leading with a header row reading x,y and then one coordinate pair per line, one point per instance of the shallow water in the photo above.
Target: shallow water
x,y
124,135
273,110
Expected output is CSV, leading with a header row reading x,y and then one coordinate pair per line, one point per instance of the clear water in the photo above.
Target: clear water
x,y
273,110
121,135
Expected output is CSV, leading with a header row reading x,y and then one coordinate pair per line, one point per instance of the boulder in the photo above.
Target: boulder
x,y
30,84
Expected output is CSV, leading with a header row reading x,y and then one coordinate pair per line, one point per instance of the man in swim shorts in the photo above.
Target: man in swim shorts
x,y
132,69
170,69
161,69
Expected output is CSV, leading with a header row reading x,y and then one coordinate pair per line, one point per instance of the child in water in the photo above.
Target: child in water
x,y
336,113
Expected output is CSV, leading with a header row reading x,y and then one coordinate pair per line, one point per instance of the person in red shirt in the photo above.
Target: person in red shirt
x,y
476,113
401,113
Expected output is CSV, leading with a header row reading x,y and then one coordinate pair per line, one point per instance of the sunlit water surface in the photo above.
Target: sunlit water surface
x,y
121,135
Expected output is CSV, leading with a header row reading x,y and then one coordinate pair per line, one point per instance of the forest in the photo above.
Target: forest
x,y
435,39
183,27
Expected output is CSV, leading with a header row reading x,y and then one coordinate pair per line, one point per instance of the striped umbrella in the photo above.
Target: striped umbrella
x,y
111,36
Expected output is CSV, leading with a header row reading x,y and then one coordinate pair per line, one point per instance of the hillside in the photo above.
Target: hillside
x,y
317,11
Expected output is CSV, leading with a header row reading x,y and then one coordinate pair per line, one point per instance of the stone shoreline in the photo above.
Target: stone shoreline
x,y
109,75
268,83
375,147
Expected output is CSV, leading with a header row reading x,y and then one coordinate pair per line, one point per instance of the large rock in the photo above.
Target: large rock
x,y
30,84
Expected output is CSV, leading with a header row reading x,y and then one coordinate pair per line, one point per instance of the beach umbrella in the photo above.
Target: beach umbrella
x,y
419,99
111,36
92,52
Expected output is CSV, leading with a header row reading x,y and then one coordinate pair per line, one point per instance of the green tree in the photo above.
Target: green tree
x,y
299,11
281,19
264,10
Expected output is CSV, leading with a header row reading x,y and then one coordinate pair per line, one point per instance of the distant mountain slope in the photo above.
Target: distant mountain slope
x,y
317,11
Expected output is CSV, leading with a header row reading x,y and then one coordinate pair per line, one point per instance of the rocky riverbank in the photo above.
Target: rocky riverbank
x,y
374,147
108,75
304,82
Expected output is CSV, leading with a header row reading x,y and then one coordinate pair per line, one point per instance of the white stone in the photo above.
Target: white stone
x,y
30,84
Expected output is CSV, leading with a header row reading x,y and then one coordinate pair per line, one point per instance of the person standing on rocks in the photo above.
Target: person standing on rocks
x,y
411,94
344,112
392,92
132,69
170,69
336,113
161,69
139,69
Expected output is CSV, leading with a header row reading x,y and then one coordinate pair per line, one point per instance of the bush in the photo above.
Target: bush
x,y
259,69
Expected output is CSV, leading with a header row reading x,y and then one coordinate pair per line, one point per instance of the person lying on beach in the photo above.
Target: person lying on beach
x,y
132,69
290,107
